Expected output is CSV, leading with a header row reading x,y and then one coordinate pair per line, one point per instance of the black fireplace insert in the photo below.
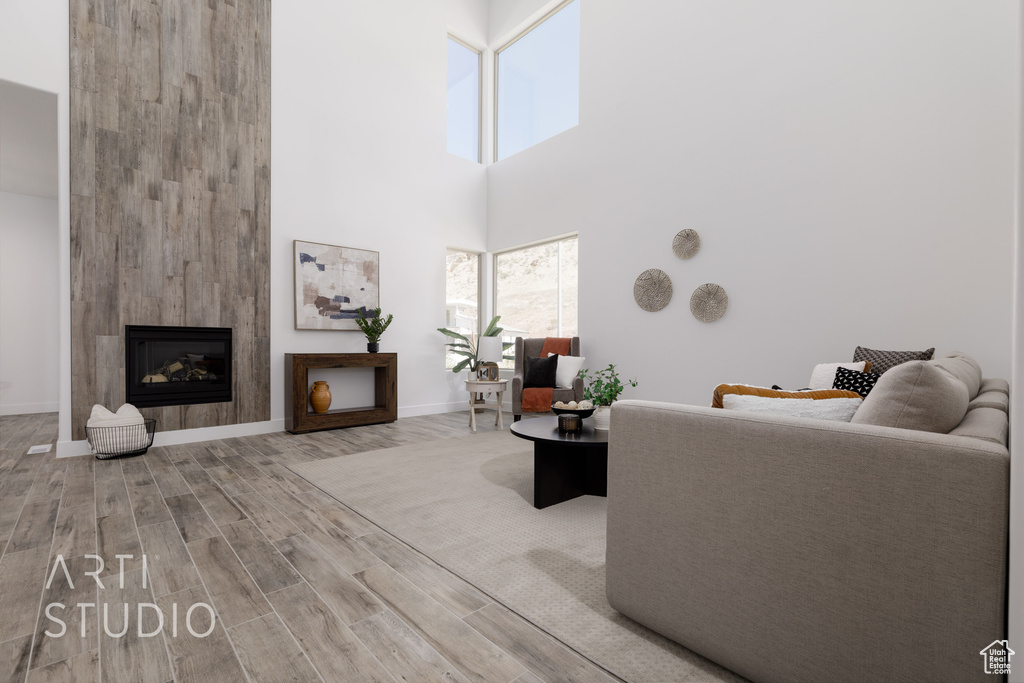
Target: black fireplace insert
x,y
170,366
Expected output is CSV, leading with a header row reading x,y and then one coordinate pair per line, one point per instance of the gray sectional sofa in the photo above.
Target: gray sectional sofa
x,y
793,549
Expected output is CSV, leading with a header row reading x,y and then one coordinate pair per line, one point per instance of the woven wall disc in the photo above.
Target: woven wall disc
x,y
652,290
709,303
686,244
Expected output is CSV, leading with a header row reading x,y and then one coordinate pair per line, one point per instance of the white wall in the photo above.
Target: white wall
x,y
34,52
359,160
1016,598
32,33
819,148
28,141
29,310
849,166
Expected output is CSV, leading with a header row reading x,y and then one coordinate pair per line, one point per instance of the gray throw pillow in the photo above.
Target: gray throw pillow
x,y
884,360
915,395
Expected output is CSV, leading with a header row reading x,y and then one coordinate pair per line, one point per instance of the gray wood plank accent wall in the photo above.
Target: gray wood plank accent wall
x,y
170,191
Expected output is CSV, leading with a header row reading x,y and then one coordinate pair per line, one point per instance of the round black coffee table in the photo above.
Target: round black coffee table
x,y
565,465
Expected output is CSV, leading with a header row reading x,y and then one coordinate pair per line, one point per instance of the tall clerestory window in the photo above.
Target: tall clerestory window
x,y
463,113
538,82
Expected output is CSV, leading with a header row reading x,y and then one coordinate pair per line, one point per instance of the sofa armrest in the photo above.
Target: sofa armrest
x,y
755,540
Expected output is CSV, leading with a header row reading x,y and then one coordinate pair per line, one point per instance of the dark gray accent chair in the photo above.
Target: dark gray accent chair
x,y
531,346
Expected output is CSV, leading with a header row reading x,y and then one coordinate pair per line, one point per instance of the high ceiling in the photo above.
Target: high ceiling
x,y
28,140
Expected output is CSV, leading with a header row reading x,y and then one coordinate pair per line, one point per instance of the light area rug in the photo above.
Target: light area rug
x,y
467,503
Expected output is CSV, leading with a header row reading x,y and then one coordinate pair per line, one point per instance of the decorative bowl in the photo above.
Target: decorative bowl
x,y
574,411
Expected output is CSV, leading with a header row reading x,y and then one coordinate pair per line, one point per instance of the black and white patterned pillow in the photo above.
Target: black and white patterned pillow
x,y
885,360
852,380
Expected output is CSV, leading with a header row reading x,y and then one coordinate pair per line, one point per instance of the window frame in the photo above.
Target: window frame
x,y
479,101
497,56
529,245
479,292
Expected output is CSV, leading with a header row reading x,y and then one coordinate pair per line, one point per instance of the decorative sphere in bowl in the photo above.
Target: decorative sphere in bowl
x,y
583,413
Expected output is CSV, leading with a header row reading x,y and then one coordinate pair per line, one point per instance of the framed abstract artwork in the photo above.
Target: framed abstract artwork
x,y
332,284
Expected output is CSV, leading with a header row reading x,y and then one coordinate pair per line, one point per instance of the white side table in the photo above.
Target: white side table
x,y
476,386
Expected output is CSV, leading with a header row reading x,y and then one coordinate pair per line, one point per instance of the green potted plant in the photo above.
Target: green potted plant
x,y
602,388
373,327
461,345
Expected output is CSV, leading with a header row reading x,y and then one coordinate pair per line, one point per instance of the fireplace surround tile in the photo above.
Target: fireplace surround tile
x,y
170,207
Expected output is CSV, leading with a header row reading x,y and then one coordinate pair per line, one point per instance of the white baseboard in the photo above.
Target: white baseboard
x,y
29,408
437,408
68,449
431,409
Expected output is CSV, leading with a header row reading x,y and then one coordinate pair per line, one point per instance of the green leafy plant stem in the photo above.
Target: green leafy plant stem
x,y
374,326
603,386
461,345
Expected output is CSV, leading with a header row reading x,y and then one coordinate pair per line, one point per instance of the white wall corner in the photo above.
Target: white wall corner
x,y
1015,599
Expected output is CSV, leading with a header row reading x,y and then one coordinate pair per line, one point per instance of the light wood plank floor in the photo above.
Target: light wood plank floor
x,y
301,587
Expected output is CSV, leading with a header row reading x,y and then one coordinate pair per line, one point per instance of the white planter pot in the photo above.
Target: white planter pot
x,y
602,417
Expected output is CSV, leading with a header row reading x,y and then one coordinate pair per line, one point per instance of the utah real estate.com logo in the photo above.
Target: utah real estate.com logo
x,y
997,657
56,610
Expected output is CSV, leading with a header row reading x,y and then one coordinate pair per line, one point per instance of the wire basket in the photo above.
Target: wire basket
x,y
120,442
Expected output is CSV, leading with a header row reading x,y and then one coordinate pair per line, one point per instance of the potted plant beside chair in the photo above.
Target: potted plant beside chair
x,y
602,389
464,346
373,327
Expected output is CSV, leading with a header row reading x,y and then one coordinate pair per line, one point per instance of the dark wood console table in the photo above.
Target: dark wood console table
x,y
298,418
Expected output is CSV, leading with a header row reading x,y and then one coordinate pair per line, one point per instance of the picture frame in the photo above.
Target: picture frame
x,y
333,283
487,372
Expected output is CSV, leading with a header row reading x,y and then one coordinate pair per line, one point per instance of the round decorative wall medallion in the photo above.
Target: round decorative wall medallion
x,y
709,302
652,290
686,244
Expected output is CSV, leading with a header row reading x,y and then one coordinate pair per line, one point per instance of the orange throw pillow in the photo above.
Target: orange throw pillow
x,y
537,399
722,389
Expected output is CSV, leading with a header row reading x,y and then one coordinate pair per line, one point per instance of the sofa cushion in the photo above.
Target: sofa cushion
x,y
824,374
990,399
851,380
540,372
915,395
964,368
987,424
839,409
722,389
995,384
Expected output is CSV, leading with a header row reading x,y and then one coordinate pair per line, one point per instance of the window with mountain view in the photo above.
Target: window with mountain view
x,y
536,289
462,296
